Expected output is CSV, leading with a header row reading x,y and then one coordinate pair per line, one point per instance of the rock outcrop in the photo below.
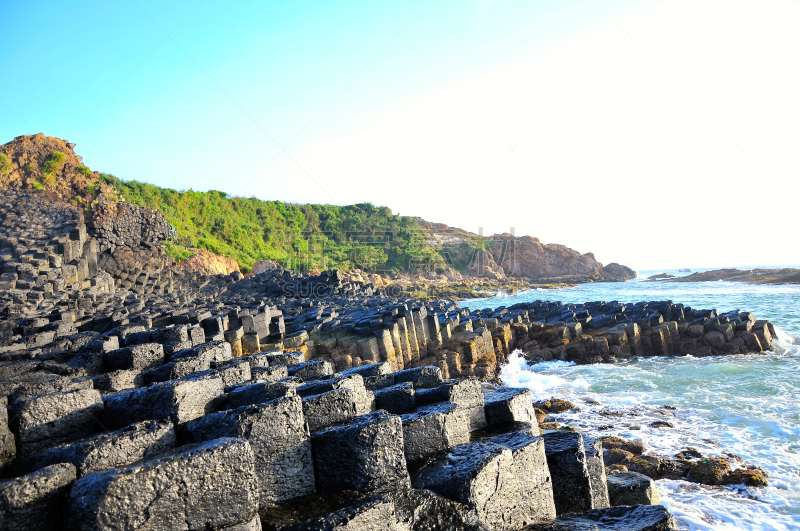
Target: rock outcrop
x,y
505,255
206,263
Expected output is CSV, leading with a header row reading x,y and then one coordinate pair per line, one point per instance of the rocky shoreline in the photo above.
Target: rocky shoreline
x,y
749,276
136,397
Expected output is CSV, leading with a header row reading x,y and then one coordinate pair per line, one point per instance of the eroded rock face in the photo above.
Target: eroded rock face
x,y
207,263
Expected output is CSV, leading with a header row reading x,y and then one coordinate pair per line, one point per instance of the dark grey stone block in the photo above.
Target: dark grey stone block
x,y
35,501
432,430
269,374
177,400
143,357
509,404
258,392
287,359
49,419
373,383
364,455
465,393
421,377
110,450
566,458
372,369
397,399
593,448
329,408
311,370
365,400
278,435
211,485
505,479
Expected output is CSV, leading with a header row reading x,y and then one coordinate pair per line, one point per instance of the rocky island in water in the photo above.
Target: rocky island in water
x,y
138,394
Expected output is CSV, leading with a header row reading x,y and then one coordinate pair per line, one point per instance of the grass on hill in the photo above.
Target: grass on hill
x,y
298,236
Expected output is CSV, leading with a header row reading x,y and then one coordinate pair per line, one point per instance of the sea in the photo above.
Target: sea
x,y
744,407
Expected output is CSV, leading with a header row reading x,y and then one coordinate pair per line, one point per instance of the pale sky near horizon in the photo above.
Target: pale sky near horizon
x,y
657,134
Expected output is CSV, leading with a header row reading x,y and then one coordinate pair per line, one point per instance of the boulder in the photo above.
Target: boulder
x,y
632,488
635,518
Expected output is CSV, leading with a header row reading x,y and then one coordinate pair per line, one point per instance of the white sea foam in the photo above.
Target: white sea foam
x,y
741,418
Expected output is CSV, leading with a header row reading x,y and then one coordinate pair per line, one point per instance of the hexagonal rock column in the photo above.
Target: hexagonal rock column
x,y
566,458
364,455
35,501
504,478
210,485
509,404
278,436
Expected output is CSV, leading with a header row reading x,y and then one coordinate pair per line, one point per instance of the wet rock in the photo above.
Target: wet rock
x,y
632,488
554,405
572,485
633,446
635,518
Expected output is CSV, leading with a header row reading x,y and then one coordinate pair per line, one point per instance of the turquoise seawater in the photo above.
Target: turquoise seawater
x,y
747,405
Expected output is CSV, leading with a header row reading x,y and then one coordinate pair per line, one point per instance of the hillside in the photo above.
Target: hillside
x,y
298,236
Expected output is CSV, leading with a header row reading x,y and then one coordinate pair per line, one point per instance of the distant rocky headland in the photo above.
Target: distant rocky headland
x,y
138,394
750,276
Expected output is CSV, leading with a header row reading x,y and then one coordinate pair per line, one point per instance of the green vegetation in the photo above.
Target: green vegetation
x,y
5,165
298,236
83,170
52,167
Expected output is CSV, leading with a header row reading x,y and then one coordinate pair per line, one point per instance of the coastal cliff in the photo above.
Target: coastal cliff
x,y
144,219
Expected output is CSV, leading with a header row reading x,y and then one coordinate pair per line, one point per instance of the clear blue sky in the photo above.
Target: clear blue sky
x,y
477,113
